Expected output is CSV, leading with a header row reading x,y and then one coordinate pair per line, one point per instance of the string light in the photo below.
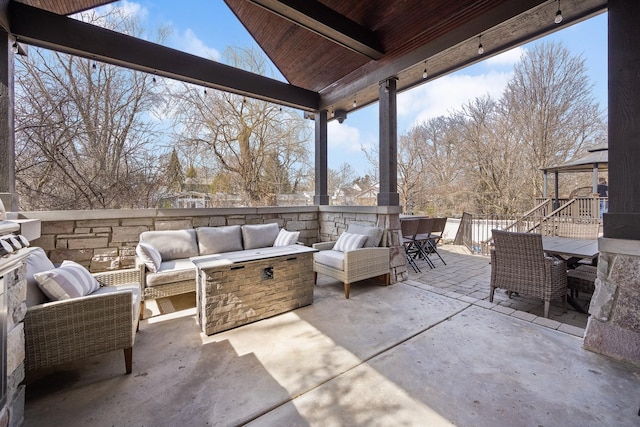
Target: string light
x,y
355,104
558,18
424,73
480,47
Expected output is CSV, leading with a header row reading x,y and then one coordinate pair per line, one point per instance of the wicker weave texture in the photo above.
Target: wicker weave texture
x,y
518,264
359,264
61,331
170,289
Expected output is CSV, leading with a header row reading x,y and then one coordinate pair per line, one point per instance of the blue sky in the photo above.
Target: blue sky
x,y
206,28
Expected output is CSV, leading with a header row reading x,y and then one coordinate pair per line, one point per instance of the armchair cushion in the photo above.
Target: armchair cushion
x,y
330,258
134,288
172,244
349,242
37,262
286,238
70,280
374,234
259,235
216,240
149,255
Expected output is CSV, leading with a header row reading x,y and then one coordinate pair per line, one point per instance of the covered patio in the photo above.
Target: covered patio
x,y
428,351
410,353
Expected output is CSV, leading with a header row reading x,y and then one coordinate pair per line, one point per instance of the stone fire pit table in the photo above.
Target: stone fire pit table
x,y
237,288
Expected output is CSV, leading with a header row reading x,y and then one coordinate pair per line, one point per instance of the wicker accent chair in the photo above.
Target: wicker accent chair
x,y
61,331
353,265
518,264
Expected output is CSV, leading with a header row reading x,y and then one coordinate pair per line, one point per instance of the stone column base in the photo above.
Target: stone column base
x,y
614,326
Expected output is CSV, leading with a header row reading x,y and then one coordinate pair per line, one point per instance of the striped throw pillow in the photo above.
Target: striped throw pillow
x,y
286,238
70,280
348,242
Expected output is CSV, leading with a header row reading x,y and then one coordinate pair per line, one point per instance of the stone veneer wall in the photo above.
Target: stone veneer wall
x,y
13,412
106,239
335,219
614,325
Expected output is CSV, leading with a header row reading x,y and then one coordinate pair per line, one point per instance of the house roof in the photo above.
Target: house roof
x,y
331,52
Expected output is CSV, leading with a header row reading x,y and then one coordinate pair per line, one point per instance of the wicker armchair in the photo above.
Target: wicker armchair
x,y
66,330
518,264
358,264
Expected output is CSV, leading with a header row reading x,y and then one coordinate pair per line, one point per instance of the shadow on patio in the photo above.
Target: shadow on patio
x,y
428,351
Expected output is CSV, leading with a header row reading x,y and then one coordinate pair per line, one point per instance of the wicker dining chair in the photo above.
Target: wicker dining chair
x,y
518,264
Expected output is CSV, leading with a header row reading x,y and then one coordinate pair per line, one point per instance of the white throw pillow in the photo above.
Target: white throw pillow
x,y
348,242
149,255
70,280
286,238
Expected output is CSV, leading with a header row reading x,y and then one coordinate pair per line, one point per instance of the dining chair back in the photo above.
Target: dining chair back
x,y
518,264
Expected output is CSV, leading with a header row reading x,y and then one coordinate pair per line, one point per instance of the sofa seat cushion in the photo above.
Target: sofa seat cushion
x,y
330,258
172,244
259,235
172,271
215,240
134,288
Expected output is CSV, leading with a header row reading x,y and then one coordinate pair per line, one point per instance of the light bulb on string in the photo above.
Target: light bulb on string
x,y
558,18
424,73
480,47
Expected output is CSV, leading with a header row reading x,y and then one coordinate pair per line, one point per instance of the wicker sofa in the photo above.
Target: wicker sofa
x,y
79,327
353,265
164,256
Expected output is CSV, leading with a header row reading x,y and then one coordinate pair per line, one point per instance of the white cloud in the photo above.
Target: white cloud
x,y
449,93
132,9
188,41
508,58
343,136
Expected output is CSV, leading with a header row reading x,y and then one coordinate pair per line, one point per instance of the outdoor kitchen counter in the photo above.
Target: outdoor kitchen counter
x,y
237,288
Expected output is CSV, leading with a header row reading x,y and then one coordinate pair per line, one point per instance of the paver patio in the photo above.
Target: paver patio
x,y
428,351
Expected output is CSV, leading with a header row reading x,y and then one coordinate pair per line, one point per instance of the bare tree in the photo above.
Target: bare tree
x,y
551,109
82,141
263,146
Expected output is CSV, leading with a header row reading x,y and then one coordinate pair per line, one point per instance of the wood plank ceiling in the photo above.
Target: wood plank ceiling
x,y
342,50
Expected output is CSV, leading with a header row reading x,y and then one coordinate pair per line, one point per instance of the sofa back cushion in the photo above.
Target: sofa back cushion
x,y
37,262
374,234
172,244
216,240
259,235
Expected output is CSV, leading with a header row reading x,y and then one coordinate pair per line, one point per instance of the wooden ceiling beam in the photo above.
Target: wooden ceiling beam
x,y
51,31
326,22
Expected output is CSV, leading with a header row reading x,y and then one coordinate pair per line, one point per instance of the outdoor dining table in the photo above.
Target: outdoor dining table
x,y
572,251
569,248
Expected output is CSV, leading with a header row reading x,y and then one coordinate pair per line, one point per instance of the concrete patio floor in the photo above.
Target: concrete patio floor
x,y
429,351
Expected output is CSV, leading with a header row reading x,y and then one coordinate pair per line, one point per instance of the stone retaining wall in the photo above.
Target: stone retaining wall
x,y
106,240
